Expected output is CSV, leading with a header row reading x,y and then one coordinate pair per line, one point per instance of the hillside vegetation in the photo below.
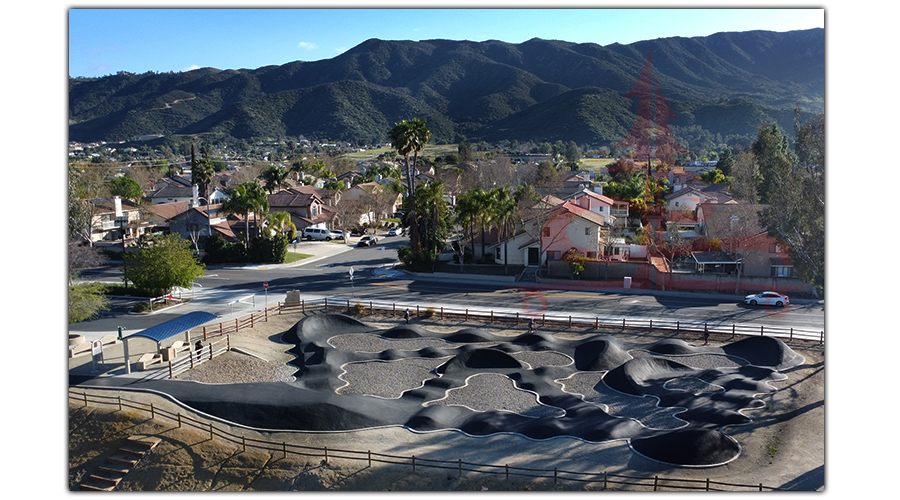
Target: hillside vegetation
x,y
541,90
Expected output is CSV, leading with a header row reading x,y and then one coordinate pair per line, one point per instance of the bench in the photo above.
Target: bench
x,y
146,360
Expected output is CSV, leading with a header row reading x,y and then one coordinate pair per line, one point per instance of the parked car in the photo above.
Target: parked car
x,y
337,234
316,233
367,241
396,231
767,299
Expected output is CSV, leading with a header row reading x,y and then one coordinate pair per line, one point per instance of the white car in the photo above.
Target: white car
x,y
767,299
396,231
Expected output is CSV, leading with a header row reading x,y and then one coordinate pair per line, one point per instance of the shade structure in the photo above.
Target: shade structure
x,y
175,326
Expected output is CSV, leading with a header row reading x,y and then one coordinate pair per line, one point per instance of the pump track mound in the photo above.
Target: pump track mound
x,y
675,401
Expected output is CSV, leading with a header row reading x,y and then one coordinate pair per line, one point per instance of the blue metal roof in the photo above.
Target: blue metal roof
x,y
175,326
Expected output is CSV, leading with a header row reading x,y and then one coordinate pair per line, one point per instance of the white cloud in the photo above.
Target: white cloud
x,y
307,46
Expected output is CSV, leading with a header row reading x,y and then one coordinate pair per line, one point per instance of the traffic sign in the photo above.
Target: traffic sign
x,y
265,284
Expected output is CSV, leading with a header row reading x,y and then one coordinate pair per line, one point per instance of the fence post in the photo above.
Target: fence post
x,y
237,325
417,310
414,463
220,328
179,420
655,482
596,323
171,374
792,334
677,327
326,455
570,321
517,318
303,305
211,434
507,473
393,309
492,315
651,326
120,402
459,463
707,484
467,314
604,480
543,319
152,413
284,449
555,473
372,309
244,444
85,399
623,323
370,459
760,330
442,312
326,303
251,321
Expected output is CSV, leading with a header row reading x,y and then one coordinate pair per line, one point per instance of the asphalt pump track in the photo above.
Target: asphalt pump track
x,y
673,402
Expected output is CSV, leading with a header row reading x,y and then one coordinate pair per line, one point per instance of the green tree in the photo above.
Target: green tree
x,y
163,262
410,136
275,178
714,176
796,199
280,222
125,187
726,161
85,301
775,159
505,214
246,199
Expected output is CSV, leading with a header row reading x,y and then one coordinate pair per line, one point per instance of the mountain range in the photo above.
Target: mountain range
x,y
721,85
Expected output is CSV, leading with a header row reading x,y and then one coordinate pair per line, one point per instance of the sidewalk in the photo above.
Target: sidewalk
x,y
317,249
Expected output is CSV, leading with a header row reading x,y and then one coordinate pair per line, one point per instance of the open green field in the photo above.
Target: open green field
x,y
431,151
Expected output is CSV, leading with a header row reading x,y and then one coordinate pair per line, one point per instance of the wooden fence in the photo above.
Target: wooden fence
x,y
542,320
608,481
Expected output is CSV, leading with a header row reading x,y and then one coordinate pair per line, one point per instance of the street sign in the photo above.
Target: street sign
x,y
265,284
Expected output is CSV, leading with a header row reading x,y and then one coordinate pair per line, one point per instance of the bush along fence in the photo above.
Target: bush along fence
x,y
557,475
542,320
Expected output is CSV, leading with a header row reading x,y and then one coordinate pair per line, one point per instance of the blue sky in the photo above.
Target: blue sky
x,y
103,41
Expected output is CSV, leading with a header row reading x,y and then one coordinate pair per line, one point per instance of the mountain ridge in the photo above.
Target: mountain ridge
x,y
469,90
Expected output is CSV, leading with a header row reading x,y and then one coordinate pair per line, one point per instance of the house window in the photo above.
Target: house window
x,y
592,255
587,231
497,253
782,272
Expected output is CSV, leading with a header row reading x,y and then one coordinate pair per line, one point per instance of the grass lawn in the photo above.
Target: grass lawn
x,y
294,257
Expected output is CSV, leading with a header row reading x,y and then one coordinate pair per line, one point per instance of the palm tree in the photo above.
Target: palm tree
x,y
246,199
410,136
281,222
505,213
275,178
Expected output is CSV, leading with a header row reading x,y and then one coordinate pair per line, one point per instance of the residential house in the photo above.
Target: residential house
x,y
738,228
571,226
306,208
113,217
378,197
191,221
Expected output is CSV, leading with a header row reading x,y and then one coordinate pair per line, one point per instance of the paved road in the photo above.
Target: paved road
x,y
231,292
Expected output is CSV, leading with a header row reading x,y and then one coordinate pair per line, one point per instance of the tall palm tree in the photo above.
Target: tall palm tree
x,y
410,136
246,199
505,213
